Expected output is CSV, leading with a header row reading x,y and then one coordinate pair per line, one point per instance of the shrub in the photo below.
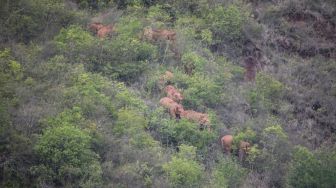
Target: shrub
x,y
226,22
247,135
183,170
158,14
312,169
274,156
181,132
199,91
133,125
228,173
93,4
27,20
66,158
73,38
193,62
266,94
125,57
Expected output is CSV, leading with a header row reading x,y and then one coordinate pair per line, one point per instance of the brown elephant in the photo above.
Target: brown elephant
x,y
197,117
101,30
244,148
174,108
226,142
166,78
154,35
173,94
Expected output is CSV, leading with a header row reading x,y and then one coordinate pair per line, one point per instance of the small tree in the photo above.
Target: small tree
x,y
228,173
66,158
183,170
312,169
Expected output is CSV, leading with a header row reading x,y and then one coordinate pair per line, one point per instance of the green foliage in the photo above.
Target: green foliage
x,y
9,67
192,60
191,27
199,91
158,15
228,173
206,36
132,124
183,170
267,93
68,117
275,131
181,132
67,158
126,98
126,3
226,22
271,155
129,27
268,87
73,38
312,169
125,59
30,19
93,4
87,91
192,7
187,152
247,135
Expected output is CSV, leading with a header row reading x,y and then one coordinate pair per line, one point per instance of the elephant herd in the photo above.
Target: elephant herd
x,y
149,34
173,99
172,102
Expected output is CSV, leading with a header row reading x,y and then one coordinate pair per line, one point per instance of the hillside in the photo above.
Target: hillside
x,y
154,93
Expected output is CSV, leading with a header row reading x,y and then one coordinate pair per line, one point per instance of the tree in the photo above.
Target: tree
x,y
228,173
66,158
183,170
310,169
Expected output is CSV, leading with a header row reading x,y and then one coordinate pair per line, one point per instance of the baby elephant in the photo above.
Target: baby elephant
x,y
174,108
244,148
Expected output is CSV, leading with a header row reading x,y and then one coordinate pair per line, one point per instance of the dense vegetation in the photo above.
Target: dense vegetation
x,y
79,110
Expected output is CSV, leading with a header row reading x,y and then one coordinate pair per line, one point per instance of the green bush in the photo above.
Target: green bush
x,y
125,57
87,91
157,15
226,22
73,38
266,94
125,3
309,169
93,4
183,170
66,158
228,173
199,90
181,132
273,156
193,62
247,135
24,21
132,124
